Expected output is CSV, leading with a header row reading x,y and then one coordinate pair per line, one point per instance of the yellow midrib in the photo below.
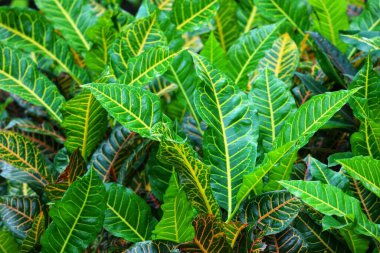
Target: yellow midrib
x,y
86,125
31,92
250,19
44,49
360,176
271,112
73,25
195,15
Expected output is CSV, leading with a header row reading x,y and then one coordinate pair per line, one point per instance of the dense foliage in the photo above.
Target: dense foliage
x,y
190,126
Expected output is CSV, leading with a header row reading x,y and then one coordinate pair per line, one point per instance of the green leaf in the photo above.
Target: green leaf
x,y
317,239
72,18
247,15
139,36
32,240
364,41
233,231
356,242
330,200
311,116
24,156
77,217
227,30
127,215
84,122
282,59
149,246
209,237
102,34
27,30
190,15
230,141
194,175
214,53
19,75
245,54
8,243
134,107
18,213
369,18
147,66
274,104
329,18
295,12
364,169
175,224
108,159
289,240
321,172
254,180
272,211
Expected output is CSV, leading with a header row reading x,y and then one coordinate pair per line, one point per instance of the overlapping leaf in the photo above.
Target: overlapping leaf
x,y
19,75
245,53
18,213
311,116
72,18
77,217
32,240
289,240
127,215
16,32
147,66
274,104
295,12
175,224
27,163
282,59
247,15
190,15
364,169
133,107
272,211
85,121
8,243
230,141
195,175
214,53
227,29
369,19
139,36
325,199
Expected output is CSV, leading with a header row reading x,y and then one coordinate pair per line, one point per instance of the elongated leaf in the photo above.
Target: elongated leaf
x,y
72,18
19,75
282,59
247,15
329,18
149,246
190,15
369,19
195,175
85,121
175,225
208,238
133,107
364,169
289,240
311,116
272,211
317,239
325,199
227,29
274,104
109,157
16,32
18,213
77,217
127,215
246,52
356,242
25,157
295,12
147,66
139,36
32,240
254,180
230,141
364,41
321,172
7,243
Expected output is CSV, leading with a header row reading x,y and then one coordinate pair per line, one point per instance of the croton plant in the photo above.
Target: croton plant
x,y
190,126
